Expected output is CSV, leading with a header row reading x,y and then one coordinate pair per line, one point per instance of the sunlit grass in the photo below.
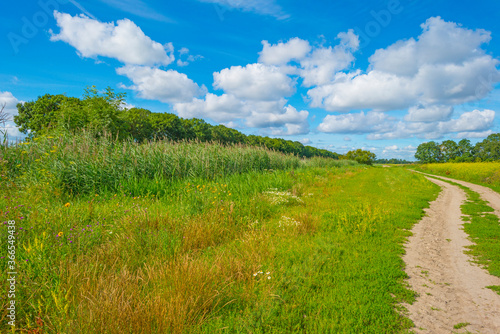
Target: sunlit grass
x,y
267,249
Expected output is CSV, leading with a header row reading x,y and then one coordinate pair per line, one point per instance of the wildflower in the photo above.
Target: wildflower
x,y
67,205
60,234
268,277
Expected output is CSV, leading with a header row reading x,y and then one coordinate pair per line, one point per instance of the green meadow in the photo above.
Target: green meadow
x,y
117,237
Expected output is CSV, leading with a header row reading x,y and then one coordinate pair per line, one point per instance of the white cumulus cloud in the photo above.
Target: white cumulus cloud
x,y
431,113
223,108
257,82
354,122
321,66
445,65
166,86
123,41
9,102
475,123
282,53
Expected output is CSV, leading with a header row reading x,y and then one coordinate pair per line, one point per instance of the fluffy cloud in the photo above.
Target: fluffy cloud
x,y
320,67
394,151
444,66
468,135
264,7
9,103
185,58
474,123
469,121
355,123
156,84
222,108
226,108
256,82
375,90
282,53
431,113
440,43
381,126
276,118
123,41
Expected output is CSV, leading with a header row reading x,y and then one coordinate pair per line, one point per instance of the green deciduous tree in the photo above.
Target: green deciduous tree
x,y
488,149
465,151
449,150
39,116
361,156
428,152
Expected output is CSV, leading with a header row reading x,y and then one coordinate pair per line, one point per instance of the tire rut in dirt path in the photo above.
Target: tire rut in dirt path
x,y
451,289
487,194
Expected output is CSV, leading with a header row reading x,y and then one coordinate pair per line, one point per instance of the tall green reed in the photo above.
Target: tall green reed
x,y
83,164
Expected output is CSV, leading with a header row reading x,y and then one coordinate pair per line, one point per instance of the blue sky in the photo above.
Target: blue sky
x,y
379,75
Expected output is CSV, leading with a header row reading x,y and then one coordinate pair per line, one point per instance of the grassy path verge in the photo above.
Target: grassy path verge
x,y
345,274
316,250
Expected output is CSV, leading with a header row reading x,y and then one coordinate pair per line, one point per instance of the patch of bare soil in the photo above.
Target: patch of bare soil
x,y
451,288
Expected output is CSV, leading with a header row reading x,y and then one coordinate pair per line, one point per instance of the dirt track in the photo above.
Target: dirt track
x,y
451,289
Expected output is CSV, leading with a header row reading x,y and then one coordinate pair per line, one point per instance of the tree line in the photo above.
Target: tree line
x,y
104,113
463,151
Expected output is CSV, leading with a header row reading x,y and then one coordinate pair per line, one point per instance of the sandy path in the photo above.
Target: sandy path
x,y
486,193
451,289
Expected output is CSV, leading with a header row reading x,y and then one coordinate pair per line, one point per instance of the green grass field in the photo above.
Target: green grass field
x,y
264,243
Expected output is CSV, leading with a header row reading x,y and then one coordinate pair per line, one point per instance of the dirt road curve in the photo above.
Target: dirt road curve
x,y
451,289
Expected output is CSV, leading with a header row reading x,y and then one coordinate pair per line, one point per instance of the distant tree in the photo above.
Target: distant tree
x,y
393,161
225,135
197,129
169,126
465,151
138,123
428,152
449,150
40,115
488,149
361,156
